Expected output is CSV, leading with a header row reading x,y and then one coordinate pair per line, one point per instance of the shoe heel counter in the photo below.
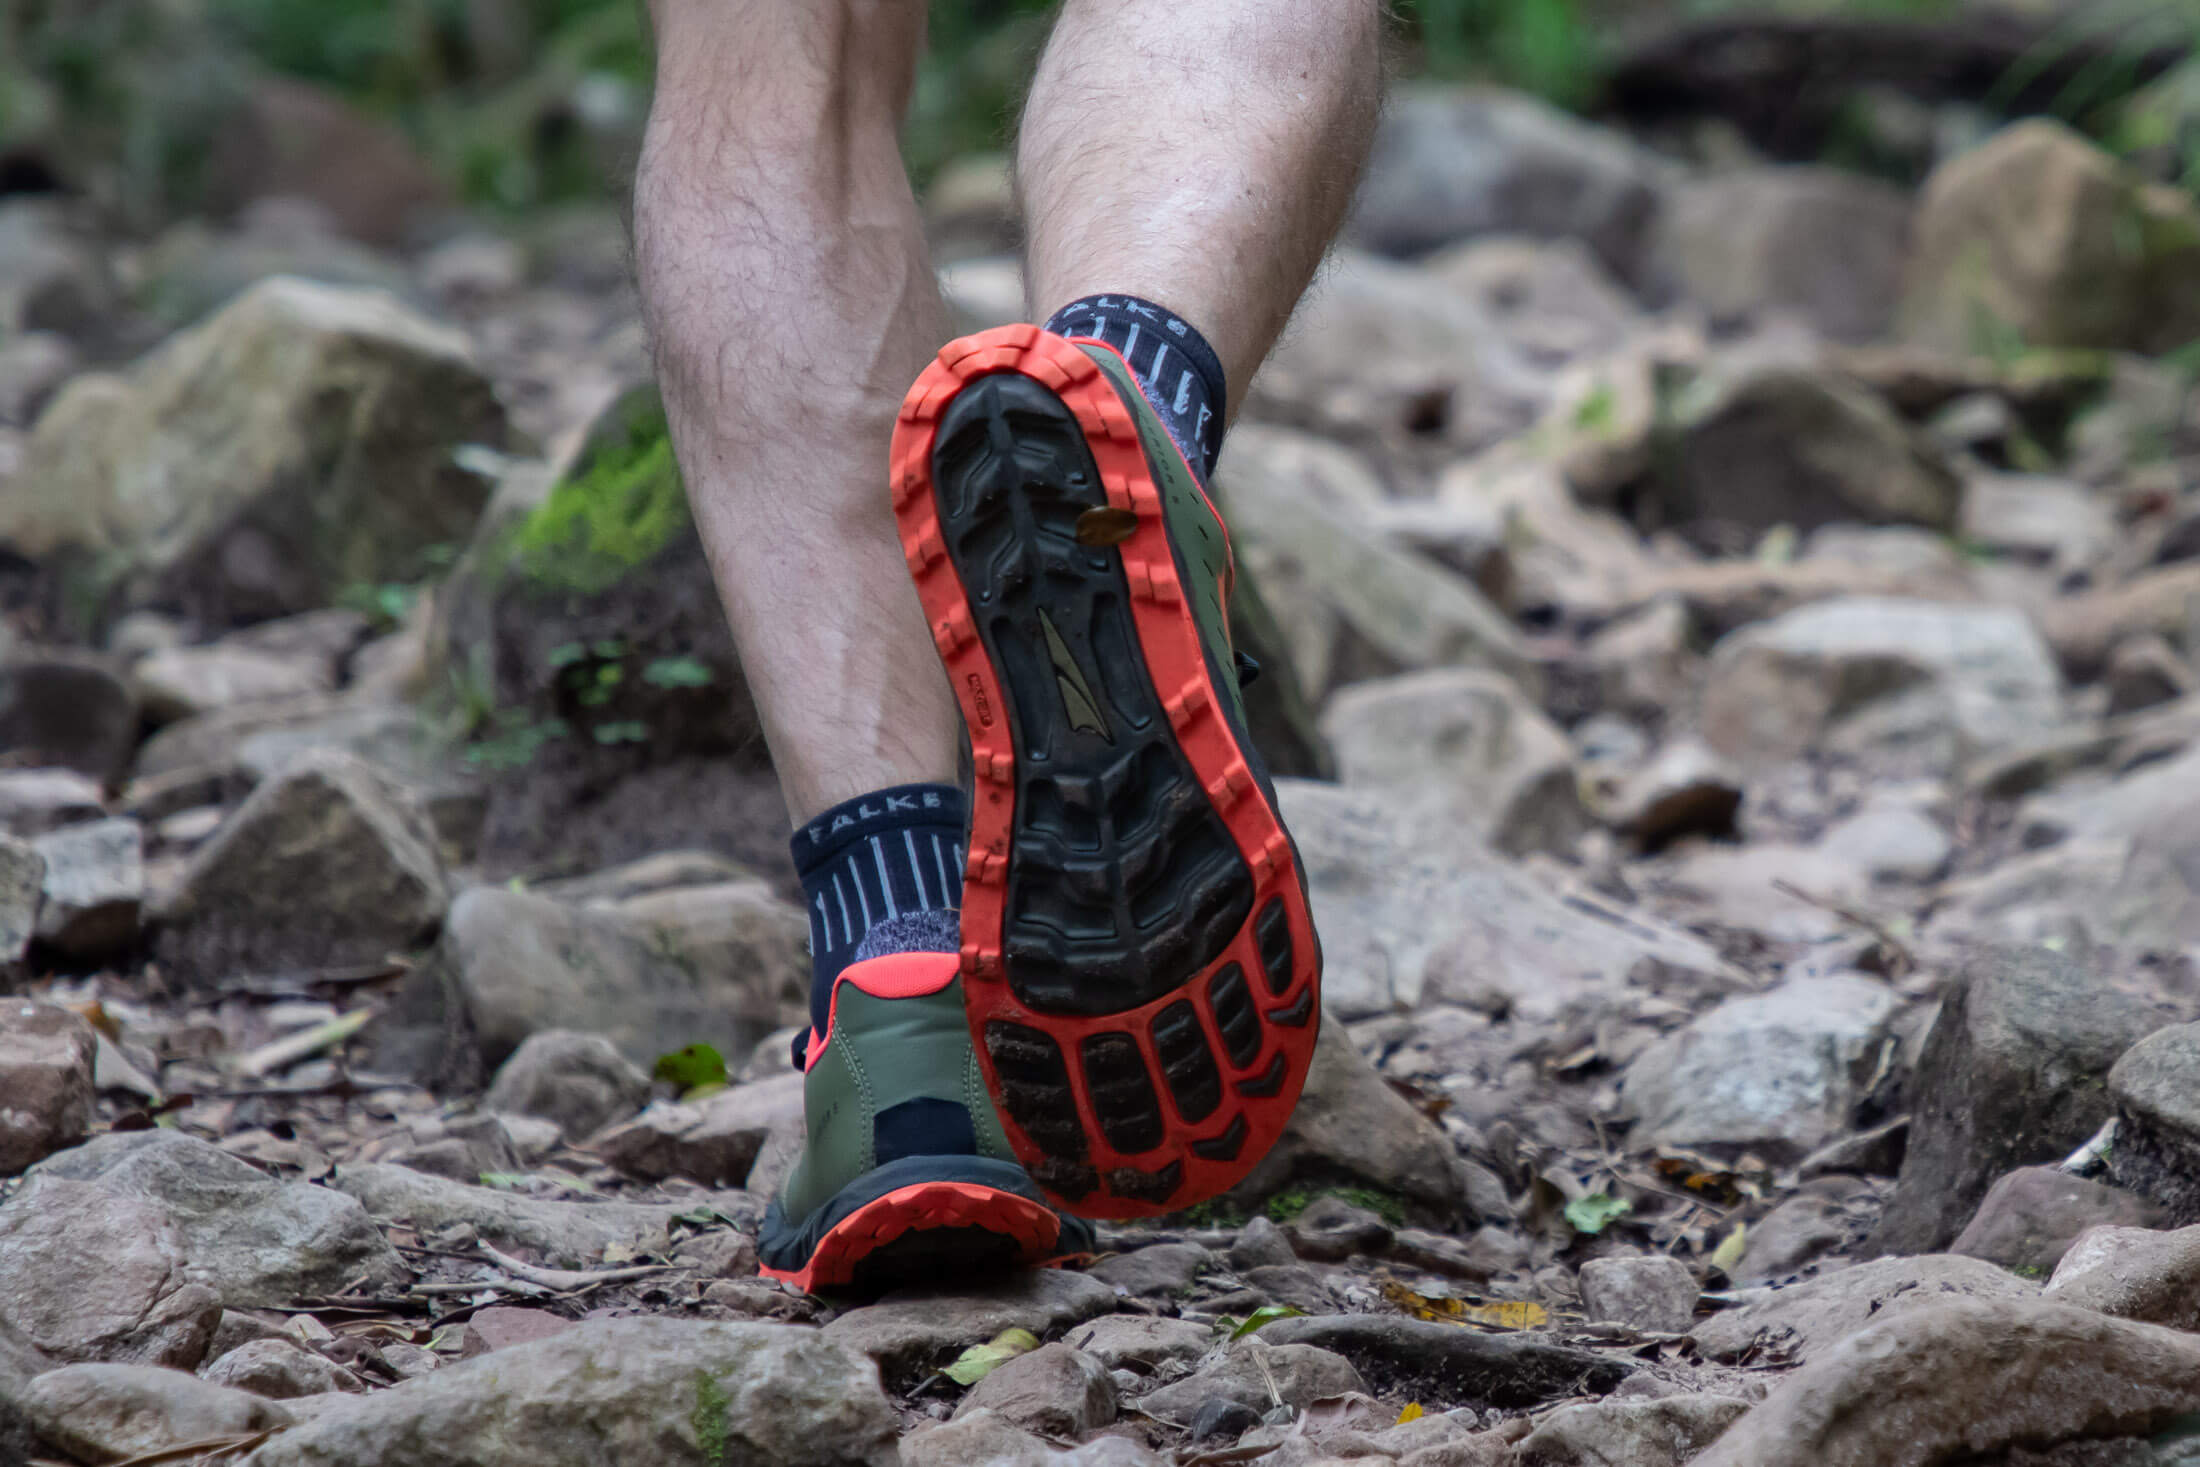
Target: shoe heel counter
x,y
915,1068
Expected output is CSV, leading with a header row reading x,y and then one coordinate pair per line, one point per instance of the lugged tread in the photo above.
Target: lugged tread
x,y
1187,1067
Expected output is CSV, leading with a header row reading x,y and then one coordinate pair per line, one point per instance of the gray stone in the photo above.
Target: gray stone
x,y
580,1081
94,888
1259,1242
1469,738
2156,1089
280,1370
66,709
46,1075
1793,446
1811,1317
1331,1230
1054,1390
1919,683
1823,244
985,1439
1351,605
297,443
1156,1270
1661,1433
1350,1125
89,1272
1414,910
1140,1340
2053,523
1890,843
1653,1291
464,1149
105,1413
1445,1362
1969,1377
914,1330
676,1392
325,865
182,682
1303,1374
2012,1074
562,1234
511,964
1811,1044
715,1141
22,879
1826,1215
1685,789
1455,162
34,801
2132,1273
256,1240
2029,1218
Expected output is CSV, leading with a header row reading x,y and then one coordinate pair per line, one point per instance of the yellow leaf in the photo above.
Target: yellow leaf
x,y
977,1362
1412,1412
1730,1250
1510,1314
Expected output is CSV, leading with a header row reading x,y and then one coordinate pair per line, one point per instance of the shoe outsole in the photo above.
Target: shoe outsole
x,y
1139,964
924,1232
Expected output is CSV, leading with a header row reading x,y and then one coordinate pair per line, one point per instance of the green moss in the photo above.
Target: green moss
x,y
622,504
709,1419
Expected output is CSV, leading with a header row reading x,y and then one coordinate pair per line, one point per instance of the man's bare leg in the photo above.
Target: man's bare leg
x,y
1197,153
788,291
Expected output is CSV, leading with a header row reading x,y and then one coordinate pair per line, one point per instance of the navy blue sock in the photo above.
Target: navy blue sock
x,y
874,868
1175,367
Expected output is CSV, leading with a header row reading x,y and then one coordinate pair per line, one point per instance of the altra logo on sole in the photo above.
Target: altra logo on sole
x,y
1078,704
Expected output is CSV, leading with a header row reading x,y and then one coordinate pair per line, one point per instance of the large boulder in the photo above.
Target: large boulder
x,y
256,1241
108,1413
1812,1045
1453,162
325,865
682,1393
1777,445
46,1059
90,1272
1821,243
2039,238
724,964
1972,1379
1899,681
2012,1074
1414,909
2156,1089
1471,739
299,443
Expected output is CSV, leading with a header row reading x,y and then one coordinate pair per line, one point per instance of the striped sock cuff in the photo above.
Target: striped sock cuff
x,y
876,858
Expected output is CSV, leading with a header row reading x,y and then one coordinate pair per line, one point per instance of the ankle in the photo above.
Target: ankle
x,y
1175,368
881,874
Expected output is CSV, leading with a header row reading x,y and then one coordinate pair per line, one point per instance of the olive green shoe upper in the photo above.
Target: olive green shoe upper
x,y
1198,534
895,1077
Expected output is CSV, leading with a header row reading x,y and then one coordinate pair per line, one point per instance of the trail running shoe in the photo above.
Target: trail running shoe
x,y
1138,962
906,1175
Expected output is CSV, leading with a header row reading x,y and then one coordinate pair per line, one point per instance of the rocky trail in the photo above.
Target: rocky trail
x,y
1730,633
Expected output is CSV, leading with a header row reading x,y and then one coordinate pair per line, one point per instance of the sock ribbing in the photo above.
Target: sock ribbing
x,y
875,862
1176,369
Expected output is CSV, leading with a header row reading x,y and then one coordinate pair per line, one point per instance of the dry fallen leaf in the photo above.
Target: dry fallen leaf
x,y
1504,1314
1731,1248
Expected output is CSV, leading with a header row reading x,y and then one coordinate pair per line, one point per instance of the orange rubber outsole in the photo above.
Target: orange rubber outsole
x,y
923,1207
1217,1151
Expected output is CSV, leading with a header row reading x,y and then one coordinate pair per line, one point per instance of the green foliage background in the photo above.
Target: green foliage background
x,y
523,102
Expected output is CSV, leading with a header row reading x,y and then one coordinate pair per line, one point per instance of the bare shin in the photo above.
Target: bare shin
x,y
1198,153
787,289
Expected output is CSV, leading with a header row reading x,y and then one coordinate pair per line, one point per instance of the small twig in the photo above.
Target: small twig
x,y
193,1449
509,1286
280,1054
565,1279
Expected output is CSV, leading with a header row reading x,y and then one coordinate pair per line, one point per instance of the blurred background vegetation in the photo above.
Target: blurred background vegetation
x,y
518,103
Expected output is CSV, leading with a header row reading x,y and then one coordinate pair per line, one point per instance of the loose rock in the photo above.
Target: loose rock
x,y
46,1057
1054,1390
2158,1121
1450,1363
1662,1433
279,1370
1809,1318
681,1393
1651,1292
323,866
913,1329
94,886
105,1413
2030,1217
579,1081
1303,1375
